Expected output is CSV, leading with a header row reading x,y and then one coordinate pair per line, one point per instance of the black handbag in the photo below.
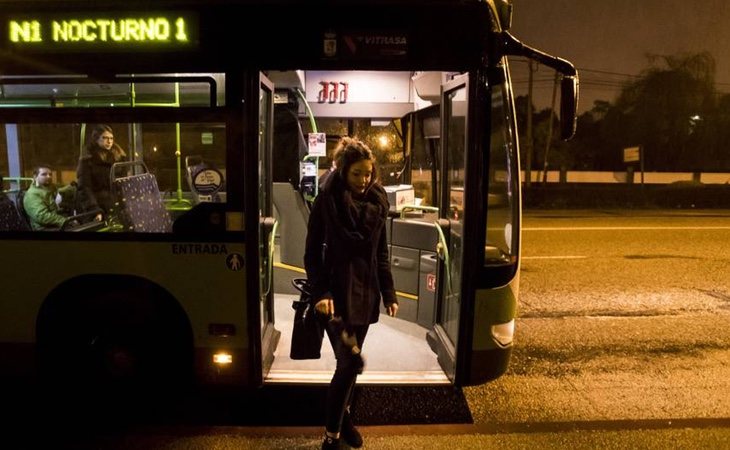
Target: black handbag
x,y
308,330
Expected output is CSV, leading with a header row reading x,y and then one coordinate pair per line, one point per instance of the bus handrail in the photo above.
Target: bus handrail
x,y
267,278
272,242
17,181
68,224
424,208
125,164
442,250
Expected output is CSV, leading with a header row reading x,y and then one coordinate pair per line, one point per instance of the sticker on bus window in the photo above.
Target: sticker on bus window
x,y
208,181
317,144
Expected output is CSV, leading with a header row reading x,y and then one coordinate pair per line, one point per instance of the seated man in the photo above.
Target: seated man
x,y
40,201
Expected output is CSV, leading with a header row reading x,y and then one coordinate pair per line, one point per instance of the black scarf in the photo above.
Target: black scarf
x,y
356,216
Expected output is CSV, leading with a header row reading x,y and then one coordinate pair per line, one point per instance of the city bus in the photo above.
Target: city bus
x,y
228,113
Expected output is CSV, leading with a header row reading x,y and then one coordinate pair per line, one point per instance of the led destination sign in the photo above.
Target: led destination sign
x,y
102,32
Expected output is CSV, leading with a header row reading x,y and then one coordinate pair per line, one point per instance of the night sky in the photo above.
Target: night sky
x,y
607,40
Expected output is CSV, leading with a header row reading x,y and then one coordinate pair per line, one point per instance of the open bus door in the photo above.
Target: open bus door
x,y
460,180
267,224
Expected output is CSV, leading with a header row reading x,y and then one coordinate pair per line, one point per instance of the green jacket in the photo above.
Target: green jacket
x,y
40,206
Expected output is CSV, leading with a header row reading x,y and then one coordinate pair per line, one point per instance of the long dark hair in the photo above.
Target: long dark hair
x,y
350,151
92,147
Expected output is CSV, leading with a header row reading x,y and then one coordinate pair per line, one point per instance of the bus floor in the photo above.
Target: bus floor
x,y
395,352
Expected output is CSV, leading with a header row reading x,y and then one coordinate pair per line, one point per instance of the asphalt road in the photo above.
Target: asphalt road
x,y
623,341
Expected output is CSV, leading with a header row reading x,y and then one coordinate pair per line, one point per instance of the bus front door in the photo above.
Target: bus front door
x,y
450,335
267,224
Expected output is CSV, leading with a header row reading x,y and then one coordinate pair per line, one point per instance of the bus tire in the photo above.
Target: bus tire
x,y
123,341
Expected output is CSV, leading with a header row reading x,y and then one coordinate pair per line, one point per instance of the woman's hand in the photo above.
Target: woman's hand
x,y
326,307
393,309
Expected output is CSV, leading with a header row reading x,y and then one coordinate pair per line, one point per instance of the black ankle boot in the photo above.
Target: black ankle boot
x,y
349,433
330,443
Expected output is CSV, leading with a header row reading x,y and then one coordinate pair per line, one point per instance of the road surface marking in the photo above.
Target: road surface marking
x,y
622,228
555,257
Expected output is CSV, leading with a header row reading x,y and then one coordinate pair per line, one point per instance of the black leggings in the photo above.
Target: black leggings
x,y
342,386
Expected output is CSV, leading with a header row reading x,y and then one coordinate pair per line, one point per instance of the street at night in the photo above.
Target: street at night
x,y
622,342
481,224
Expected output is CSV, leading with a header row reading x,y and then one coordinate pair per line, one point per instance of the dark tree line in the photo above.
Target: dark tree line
x,y
672,110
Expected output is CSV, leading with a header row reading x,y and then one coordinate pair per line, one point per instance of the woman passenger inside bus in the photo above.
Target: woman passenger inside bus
x,y
94,169
346,259
40,203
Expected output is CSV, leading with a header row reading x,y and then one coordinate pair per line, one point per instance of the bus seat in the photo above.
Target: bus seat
x,y
141,207
20,206
10,217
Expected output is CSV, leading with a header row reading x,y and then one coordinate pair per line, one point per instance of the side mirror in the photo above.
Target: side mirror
x,y
504,11
568,85
568,106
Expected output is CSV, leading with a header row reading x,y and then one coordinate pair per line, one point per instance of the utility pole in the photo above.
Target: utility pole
x,y
550,129
528,155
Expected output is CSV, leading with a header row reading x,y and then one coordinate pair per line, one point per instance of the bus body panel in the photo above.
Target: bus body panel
x,y
489,359
165,264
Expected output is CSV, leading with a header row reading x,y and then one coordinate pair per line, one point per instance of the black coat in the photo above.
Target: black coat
x,y
94,186
346,254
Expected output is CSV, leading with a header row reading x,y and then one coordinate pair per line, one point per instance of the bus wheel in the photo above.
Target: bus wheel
x,y
122,346
114,358
146,357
